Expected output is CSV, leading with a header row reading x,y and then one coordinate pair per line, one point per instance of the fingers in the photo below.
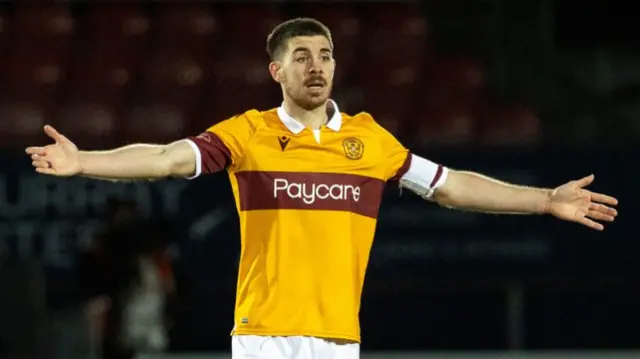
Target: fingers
x,y
600,216
591,224
41,159
603,209
598,212
46,171
36,151
585,181
41,164
603,198
53,133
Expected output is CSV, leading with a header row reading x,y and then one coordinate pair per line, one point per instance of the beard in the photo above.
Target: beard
x,y
307,98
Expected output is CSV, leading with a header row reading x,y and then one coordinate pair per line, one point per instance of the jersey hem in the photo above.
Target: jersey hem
x,y
271,333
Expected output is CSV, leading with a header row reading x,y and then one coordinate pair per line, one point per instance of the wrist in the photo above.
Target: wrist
x,y
547,195
82,159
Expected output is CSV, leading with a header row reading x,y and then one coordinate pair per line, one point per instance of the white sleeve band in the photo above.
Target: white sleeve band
x,y
423,177
196,150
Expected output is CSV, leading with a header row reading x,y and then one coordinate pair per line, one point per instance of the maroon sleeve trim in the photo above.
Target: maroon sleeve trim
x,y
214,154
436,178
403,169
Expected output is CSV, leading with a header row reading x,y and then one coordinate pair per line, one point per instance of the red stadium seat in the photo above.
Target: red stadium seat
x,y
21,122
166,99
33,68
36,60
44,24
155,122
32,75
191,29
508,125
116,21
247,25
389,106
89,124
111,43
456,72
244,59
224,100
92,72
5,29
396,42
110,48
399,25
113,36
173,79
450,80
238,80
395,46
98,81
452,89
445,128
92,102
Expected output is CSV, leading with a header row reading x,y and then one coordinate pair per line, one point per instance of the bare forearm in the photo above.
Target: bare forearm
x,y
140,161
476,192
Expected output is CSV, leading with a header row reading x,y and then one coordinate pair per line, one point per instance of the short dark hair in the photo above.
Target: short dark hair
x,y
281,34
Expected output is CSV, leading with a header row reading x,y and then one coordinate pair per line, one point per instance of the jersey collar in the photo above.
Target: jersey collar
x,y
334,123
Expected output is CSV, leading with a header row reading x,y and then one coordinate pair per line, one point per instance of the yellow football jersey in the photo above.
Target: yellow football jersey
x,y
307,202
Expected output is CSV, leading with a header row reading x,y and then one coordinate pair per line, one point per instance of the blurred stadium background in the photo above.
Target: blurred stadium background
x,y
537,92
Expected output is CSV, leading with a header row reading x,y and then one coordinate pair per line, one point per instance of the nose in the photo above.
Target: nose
x,y
315,67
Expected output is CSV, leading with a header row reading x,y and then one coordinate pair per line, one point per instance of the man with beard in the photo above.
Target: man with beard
x,y
308,181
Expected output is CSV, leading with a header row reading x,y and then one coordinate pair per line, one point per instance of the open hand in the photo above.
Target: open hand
x,y
571,202
57,159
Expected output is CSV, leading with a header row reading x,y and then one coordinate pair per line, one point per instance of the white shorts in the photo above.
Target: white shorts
x,y
297,347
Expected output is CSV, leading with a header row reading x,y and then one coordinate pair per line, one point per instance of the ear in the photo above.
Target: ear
x,y
274,70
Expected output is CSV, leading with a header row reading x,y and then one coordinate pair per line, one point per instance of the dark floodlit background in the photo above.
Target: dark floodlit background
x,y
534,92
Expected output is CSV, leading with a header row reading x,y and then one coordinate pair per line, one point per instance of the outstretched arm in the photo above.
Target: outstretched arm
x,y
570,202
473,191
141,161
476,192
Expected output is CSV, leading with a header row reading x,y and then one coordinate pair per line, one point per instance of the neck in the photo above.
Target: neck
x,y
311,119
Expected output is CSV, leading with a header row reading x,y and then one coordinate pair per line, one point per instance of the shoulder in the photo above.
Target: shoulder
x,y
365,122
252,118
257,119
359,118
250,121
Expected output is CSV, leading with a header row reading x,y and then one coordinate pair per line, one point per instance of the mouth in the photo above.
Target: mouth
x,y
316,84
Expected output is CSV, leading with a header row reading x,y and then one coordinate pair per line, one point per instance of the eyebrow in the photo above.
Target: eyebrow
x,y
302,48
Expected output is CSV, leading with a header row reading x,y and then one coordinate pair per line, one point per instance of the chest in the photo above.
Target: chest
x,y
324,151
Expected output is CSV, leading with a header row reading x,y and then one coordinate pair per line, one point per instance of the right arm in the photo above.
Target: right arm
x,y
212,151
139,161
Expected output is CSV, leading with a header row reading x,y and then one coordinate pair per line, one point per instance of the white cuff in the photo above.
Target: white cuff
x,y
196,150
423,177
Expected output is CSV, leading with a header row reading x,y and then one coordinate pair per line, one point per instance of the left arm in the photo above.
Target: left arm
x,y
476,192
472,191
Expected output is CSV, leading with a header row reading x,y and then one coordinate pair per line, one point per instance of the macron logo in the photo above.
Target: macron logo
x,y
309,193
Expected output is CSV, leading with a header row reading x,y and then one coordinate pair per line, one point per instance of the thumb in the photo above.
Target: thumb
x,y
54,134
585,181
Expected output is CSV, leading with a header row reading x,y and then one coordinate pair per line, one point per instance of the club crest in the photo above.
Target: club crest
x,y
353,148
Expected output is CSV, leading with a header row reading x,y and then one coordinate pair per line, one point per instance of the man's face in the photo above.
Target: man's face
x,y
305,71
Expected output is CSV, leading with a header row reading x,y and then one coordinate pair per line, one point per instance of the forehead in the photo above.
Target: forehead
x,y
313,43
